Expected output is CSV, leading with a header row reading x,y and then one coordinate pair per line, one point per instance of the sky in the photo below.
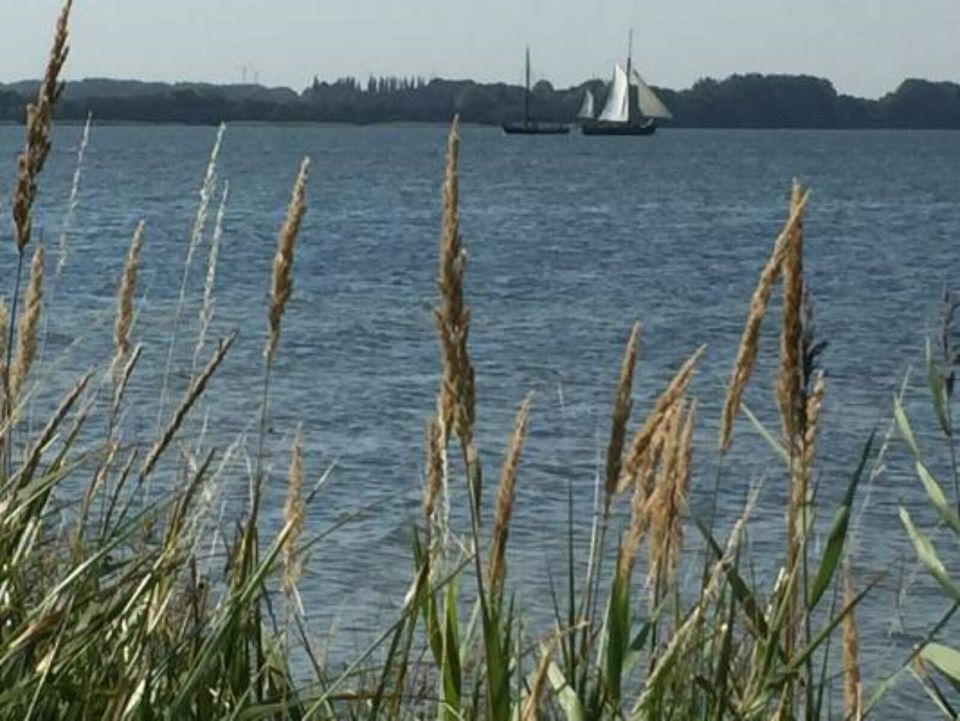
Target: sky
x,y
866,47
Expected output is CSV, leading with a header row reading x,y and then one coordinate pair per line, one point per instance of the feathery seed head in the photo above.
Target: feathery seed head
x,y
37,141
622,405
3,329
812,420
457,401
72,200
747,351
206,193
433,472
207,304
26,347
685,454
128,283
789,383
294,513
661,504
681,484
504,502
638,455
281,285
633,536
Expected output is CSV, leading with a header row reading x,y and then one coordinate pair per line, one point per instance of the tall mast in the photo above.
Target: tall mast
x,y
526,94
631,104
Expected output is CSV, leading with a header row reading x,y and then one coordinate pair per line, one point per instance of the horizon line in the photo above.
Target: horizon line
x,y
362,79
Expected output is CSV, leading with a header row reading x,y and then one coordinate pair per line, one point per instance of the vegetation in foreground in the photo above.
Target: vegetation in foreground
x,y
116,613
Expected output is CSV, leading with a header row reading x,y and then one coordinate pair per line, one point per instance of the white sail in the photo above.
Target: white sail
x,y
650,105
616,110
586,109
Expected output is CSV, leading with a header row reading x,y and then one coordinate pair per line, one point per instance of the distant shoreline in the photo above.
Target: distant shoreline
x,y
76,122
751,101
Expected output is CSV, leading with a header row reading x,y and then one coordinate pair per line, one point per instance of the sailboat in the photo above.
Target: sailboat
x,y
586,107
632,108
527,126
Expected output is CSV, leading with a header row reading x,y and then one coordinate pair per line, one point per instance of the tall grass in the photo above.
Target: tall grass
x,y
934,665
118,614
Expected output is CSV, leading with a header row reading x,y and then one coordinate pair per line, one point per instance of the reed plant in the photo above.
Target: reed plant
x,y
625,647
934,664
118,613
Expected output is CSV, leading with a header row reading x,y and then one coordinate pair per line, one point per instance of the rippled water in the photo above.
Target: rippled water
x,y
570,240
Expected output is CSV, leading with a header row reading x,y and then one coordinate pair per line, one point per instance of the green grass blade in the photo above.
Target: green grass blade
x,y
838,533
936,695
889,683
639,642
937,497
618,637
946,660
217,641
928,556
497,644
771,440
450,656
903,425
567,697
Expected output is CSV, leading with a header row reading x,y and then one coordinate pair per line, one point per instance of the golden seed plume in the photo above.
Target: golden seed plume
x,y
812,420
800,471
122,376
496,569
433,473
4,378
641,504
800,474
633,536
661,503
451,317
622,405
655,453
747,351
685,451
3,330
281,285
294,513
637,459
681,486
26,347
851,655
37,141
789,377
128,284
791,402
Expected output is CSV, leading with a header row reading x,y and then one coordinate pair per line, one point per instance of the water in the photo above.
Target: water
x,y
570,240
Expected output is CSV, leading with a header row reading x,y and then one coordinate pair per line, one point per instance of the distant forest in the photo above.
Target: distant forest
x,y
740,101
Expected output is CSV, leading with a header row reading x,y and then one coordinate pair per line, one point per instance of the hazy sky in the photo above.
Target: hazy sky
x,y
865,46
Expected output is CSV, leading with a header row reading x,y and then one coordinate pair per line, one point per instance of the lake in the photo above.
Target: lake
x,y
570,240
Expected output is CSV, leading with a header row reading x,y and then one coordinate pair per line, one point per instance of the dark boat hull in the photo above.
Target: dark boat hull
x,y
535,128
601,127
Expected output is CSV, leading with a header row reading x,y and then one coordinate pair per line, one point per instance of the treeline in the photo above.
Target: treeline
x,y
740,101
